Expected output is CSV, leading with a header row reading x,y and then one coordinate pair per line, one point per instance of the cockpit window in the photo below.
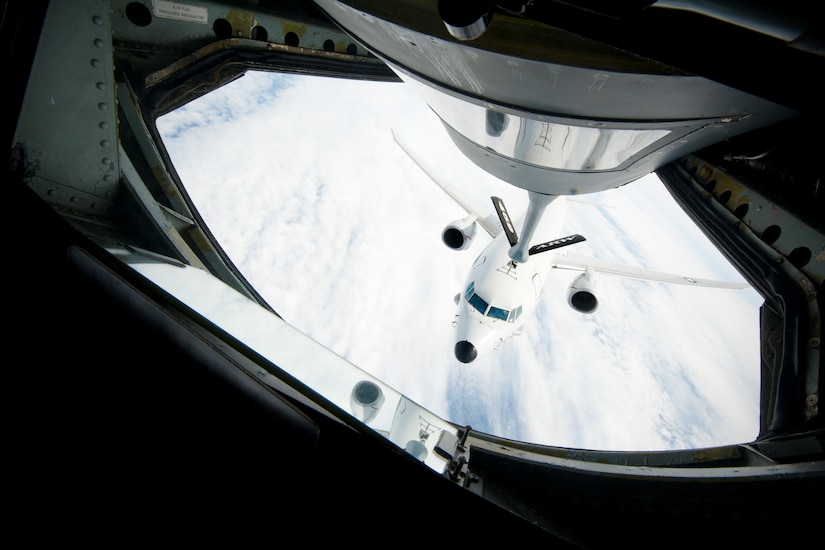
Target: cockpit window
x,y
498,313
481,305
474,299
478,302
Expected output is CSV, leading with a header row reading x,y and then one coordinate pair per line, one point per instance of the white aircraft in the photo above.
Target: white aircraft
x,y
506,281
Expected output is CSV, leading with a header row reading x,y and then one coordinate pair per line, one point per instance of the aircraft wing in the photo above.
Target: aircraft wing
x,y
489,221
582,263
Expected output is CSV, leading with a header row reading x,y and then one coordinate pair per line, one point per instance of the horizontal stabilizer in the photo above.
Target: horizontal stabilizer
x,y
556,243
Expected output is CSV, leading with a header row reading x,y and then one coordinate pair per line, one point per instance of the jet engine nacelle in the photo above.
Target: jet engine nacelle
x,y
459,234
582,294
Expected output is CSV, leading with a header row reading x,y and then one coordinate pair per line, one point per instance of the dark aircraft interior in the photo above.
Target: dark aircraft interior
x,y
135,419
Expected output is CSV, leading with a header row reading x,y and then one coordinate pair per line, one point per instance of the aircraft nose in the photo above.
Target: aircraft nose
x,y
465,352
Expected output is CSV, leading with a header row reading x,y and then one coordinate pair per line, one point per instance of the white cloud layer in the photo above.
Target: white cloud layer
x,y
304,187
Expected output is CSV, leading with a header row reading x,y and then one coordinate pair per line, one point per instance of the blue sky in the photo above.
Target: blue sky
x,y
304,187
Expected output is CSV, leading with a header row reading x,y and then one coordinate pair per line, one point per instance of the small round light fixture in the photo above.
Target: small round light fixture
x,y
465,19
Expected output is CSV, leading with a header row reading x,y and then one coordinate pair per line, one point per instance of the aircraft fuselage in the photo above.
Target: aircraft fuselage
x,y
499,293
497,296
